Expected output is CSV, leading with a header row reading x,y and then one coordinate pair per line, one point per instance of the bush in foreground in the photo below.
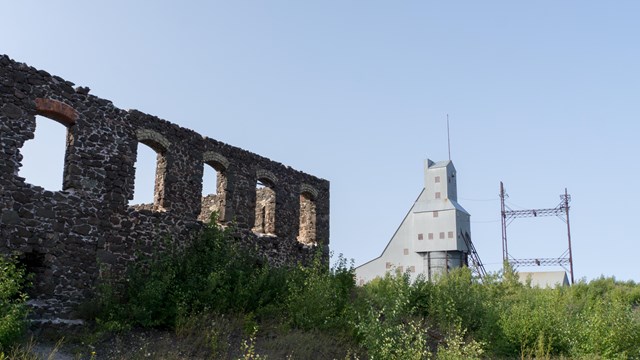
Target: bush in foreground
x,y
13,310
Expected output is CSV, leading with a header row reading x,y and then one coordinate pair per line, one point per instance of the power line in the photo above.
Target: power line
x,y
468,199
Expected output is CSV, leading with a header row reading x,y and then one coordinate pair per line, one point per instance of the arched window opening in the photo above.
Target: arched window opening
x,y
43,156
150,169
265,222
214,188
307,233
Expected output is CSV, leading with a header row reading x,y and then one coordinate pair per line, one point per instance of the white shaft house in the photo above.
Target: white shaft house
x,y
433,237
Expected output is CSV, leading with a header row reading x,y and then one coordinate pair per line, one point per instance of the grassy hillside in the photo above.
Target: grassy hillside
x,y
215,300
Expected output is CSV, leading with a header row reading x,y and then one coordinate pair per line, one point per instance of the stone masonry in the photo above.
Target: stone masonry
x,y
68,239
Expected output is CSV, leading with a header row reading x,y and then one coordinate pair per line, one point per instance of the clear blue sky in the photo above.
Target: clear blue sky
x,y
541,95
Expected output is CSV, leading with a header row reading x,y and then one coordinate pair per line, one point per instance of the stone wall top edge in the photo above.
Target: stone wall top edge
x,y
213,145
267,163
210,143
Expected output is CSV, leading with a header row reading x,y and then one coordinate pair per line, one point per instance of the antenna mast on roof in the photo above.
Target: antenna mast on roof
x,y
448,138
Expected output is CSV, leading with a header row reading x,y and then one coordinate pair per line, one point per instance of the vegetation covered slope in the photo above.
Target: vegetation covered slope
x,y
455,317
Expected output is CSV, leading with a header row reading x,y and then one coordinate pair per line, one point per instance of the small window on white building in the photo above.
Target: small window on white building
x,y
435,214
420,237
438,195
430,236
442,235
450,235
437,179
406,251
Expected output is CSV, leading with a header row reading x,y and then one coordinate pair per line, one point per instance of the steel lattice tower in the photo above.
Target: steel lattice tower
x,y
561,211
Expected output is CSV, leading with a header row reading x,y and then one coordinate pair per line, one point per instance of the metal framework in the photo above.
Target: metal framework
x,y
561,211
476,265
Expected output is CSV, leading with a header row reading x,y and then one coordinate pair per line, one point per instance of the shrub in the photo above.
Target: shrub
x,y
609,328
319,299
457,297
456,348
386,328
13,310
211,274
535,316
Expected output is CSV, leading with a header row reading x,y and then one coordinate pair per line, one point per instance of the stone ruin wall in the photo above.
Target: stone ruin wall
x,y
69,238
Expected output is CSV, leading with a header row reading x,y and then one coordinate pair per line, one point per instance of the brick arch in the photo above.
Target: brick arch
x,y
57,110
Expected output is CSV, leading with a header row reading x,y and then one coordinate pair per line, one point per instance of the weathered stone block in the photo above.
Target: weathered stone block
x,y
9,217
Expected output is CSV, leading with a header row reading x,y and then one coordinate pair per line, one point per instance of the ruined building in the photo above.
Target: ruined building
x,y
434,236
68,239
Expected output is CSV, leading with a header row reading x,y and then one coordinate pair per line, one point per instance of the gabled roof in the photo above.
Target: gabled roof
x,y
440,164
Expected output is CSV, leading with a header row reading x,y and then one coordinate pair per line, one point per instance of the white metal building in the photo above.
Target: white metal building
x,y
433,237
544,279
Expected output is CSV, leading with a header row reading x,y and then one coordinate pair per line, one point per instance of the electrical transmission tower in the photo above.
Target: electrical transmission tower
x,y
561,211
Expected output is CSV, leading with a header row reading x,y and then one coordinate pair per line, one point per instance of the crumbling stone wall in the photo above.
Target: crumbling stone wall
x,y
69,238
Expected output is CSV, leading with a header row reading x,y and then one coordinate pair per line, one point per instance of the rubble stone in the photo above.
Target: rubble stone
x,y
72,238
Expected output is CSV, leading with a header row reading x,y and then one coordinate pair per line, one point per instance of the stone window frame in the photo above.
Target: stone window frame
x,y
65,115
220,164
268,180
308,196
161,145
